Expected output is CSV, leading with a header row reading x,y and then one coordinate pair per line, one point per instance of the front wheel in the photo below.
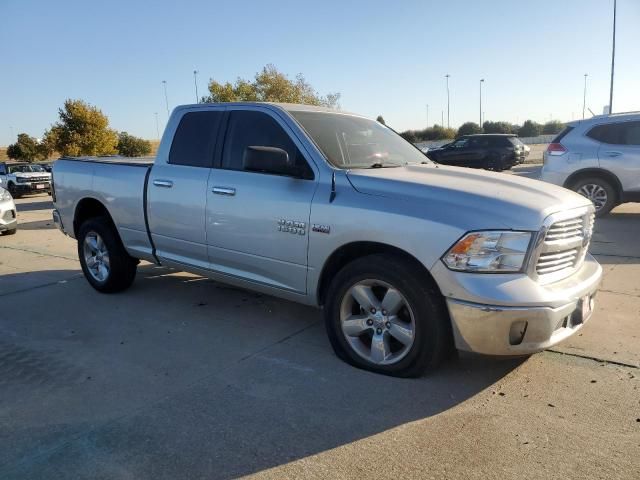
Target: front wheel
x,y
381,315
10,232
105,263
13,190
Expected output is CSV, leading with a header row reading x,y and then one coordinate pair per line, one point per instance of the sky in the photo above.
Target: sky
x,y
384,58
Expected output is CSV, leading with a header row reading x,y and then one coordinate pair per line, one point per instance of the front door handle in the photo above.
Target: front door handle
x,y
224,191
163,183
613,154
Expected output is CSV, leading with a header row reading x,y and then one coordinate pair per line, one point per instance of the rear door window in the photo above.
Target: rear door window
x,y
631,135
195,139
611,133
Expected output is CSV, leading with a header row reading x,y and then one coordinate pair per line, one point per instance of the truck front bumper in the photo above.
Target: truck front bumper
x,y
495,315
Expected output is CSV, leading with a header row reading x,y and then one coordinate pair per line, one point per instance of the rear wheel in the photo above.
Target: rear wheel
x,y
382,316
106,264
601,193
494,162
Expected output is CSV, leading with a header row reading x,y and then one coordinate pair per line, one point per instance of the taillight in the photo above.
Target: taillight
x,y
556,149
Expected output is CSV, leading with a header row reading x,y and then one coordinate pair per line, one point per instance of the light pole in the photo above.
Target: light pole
x,y
195,83
448,118
427,115
584,95
166,99
157,128
481,82
442,111
613,58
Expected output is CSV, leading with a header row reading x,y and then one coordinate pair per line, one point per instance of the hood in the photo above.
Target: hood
x,y
469,198
32,174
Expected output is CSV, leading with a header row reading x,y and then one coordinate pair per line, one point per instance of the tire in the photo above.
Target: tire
x,y
13,190
423,315
10,232
99,246
602,194
494,162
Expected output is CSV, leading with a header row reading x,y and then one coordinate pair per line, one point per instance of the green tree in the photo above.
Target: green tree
x,y
25,148
409,136
496,127
530,129
551,127
380,119
130,146
270,85
82,130
469,128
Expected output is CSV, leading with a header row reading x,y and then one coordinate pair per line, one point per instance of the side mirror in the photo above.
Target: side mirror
x,y
267,160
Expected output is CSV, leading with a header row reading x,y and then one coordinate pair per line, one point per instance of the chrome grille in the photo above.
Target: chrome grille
x,y
564,246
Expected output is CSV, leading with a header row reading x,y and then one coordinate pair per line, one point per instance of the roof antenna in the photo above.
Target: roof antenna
x,y
333,187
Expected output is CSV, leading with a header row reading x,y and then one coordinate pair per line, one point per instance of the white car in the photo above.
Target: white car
x,y
24,178
8,215
599,158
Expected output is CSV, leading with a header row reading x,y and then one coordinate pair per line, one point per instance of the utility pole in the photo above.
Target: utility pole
x,y
448,117
481,82
195,83
613,58
157,128
427,115
442,118
166,99
584,95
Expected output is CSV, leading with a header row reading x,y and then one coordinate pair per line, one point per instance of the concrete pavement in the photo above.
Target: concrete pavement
x,y
181,377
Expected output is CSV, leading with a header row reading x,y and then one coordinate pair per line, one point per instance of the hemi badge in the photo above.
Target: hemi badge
x,y
321,228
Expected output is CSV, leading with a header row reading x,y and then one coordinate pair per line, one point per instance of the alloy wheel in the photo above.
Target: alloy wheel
x,y
377,322
596,193
96,256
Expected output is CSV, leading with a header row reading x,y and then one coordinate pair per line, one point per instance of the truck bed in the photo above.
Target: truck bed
x,y
114,159
118,183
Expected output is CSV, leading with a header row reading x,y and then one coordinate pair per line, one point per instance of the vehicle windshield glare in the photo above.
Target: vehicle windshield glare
x,y
349,141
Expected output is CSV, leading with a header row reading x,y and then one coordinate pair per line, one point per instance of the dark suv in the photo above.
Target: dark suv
x,y
491,151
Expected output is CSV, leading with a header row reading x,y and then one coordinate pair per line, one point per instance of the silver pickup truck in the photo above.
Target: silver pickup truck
x,y
407,258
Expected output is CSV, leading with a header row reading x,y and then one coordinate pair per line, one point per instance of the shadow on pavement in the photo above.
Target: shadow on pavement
x,y
182,377
32,206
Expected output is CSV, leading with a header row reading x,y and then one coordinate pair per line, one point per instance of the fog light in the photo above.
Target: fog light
x,y
517,331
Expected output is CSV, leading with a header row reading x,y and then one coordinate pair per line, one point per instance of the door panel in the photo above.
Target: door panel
x,y
258,223
177,190
620,152
177,213
244,231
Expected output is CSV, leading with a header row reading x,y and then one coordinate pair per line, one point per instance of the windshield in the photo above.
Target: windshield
x,y
354,142
25,168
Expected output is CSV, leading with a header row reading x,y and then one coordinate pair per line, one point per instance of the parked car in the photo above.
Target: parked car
x,y
332,209
48,166
8,215
599,158
491,151
24,178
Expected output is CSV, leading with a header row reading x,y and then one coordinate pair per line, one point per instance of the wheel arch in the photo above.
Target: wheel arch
x,y
595,172
354,250
87,208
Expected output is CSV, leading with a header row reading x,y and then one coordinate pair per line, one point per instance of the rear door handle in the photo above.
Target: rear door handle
x,y
613,154
224,191
163,183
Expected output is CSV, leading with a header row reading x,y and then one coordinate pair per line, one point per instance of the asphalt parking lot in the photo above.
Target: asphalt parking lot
x,y
181,377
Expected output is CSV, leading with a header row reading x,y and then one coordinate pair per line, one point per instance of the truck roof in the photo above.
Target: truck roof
x,y
290,107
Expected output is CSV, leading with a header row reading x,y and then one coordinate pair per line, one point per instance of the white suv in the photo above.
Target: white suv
x,y
599,158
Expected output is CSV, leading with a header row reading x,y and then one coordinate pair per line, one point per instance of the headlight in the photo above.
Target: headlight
x,y
4,195
22,179
491,251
